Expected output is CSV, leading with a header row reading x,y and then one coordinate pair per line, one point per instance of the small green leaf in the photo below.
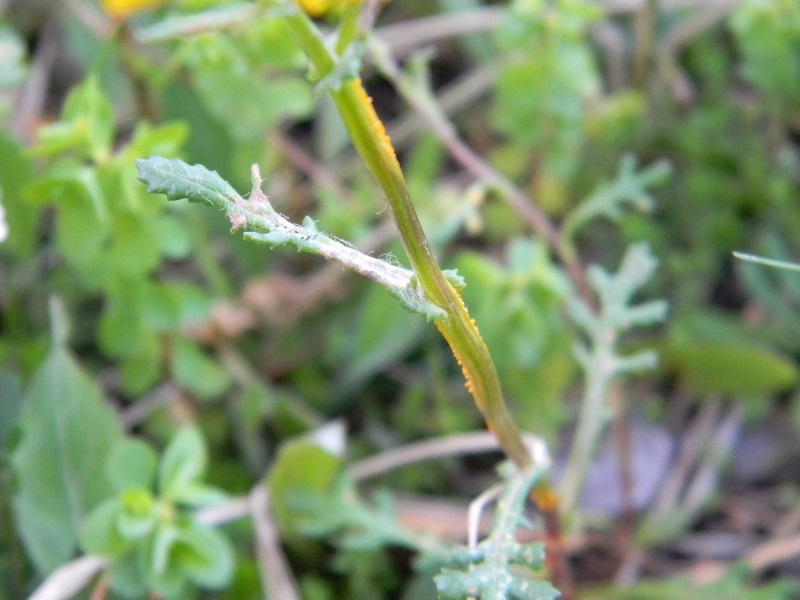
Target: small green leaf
x,y
205,555
87,123
131,463
183,464
162,573
138,513
177,181
197,373
301,467
161,140
160,548
198,495
99,534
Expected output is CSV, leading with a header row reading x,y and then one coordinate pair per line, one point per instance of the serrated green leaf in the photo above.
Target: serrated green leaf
x,y
67,430
178,180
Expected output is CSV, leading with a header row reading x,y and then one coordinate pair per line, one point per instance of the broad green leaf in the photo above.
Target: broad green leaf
x,y
131,464
138,513
169,305
735,584
162,574
768,34
517,308
382,318
270,42
21,217
142,369
160,548
301,467
183,464
67,431
134,248
734,369
205,555
99,534
10,405
198,373
81,235
87,124
162,140
127,577
542,91
122,328
258,104
177,181
88,106
199,495
173,238
12,58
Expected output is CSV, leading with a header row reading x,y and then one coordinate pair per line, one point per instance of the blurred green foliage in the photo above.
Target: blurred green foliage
x,y
163,303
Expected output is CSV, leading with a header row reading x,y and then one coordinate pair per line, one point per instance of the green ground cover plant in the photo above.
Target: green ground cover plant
x,y
191,409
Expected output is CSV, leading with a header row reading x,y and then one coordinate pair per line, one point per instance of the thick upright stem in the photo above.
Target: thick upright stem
x,y
375,148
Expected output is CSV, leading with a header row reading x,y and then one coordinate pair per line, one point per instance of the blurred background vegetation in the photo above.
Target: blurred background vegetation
x,y
170,320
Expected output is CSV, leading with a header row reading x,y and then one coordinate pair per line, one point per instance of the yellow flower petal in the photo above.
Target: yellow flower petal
x,y
119,9
317,8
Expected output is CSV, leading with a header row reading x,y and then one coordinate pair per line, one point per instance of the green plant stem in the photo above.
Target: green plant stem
x,y
458,329
348,28
420,98
377,152
591,422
